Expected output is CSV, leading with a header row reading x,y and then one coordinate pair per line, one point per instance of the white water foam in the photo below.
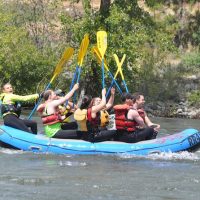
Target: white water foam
x,y
10,151
72,164
184,155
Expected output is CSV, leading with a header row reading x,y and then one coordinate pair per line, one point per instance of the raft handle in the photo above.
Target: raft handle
x,y
154,152
35,148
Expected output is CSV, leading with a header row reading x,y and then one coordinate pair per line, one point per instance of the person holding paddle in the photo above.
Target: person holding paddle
x,y
88,117
11,109
51,117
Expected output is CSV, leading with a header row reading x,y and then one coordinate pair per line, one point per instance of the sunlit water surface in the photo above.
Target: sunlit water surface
x,y
156,177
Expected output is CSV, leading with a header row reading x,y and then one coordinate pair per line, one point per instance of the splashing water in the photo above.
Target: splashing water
x,y
184,155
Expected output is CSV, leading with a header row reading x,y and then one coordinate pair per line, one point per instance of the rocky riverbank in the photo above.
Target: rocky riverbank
x,y
171,109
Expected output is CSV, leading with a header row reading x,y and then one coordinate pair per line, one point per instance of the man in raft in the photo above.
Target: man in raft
x,y
131,121
11,109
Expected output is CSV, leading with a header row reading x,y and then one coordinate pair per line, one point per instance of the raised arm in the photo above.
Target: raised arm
x,y
111,99
62,100
15,98
102,104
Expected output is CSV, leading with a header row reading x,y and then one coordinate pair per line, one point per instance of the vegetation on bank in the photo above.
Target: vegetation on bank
x,y
160,38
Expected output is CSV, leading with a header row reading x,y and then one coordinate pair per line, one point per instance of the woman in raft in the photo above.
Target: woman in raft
x,y
92,119
11,109
50,114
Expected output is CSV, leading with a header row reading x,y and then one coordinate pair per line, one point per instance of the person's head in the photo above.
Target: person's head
x,y
60,93
138,98
96,101
127,98
49,95
85,102
7,88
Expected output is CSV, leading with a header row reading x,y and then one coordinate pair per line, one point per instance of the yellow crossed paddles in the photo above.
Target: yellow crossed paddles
x,y
97,54
119,68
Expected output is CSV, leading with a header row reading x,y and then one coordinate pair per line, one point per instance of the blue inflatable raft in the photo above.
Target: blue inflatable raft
x,y
188,139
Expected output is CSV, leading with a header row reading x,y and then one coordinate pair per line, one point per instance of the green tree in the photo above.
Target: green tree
x,y
20,61
131,31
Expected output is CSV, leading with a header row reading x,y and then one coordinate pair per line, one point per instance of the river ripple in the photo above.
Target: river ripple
x,y
156,177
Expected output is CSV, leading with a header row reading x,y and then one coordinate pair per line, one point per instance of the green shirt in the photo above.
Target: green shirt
x,y
51,130
9,98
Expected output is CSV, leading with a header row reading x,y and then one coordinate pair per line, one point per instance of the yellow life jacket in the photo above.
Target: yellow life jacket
x,y
104,116
81,117
66,113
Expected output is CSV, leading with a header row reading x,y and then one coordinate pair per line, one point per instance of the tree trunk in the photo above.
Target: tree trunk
x,y
105,7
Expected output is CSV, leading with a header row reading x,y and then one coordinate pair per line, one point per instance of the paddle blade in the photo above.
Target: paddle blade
x,y
119,64
102,42
116,59
65,57
97,54
83,49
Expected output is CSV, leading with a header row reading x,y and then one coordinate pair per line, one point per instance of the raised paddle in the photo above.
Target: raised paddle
x,y
119,70
119,65
65,57
102,46
98,56
81,55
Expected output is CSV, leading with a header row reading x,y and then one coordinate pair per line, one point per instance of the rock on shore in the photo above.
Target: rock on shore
x,y
171,109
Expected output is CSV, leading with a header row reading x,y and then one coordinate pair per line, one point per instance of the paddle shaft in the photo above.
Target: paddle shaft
x,y
38,102
113,82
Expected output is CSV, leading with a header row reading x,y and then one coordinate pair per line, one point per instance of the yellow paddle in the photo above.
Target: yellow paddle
x,y
65,57
83,49
81,55
102,46
97,54
119,69
82,52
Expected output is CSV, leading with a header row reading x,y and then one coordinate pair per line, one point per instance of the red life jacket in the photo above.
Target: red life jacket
x,y
94,122
50,119
121,121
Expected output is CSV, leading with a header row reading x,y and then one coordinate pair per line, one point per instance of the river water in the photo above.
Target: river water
x,y
168,176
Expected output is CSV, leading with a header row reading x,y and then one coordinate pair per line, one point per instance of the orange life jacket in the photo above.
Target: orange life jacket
x,y
121,121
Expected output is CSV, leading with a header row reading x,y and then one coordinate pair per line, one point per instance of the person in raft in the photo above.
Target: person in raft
x,y
50,116
11,109
139,102
64,112
130,123
89,118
